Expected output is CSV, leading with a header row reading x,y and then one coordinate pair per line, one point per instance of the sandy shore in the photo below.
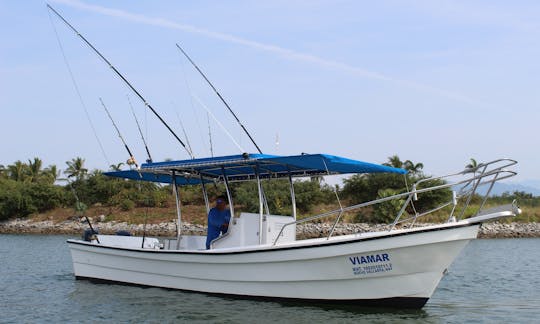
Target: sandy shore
x,y
76,227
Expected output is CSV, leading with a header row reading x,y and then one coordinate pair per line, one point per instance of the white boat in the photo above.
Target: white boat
x,y
261,258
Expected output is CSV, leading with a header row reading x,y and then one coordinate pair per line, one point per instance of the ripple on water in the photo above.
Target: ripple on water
x,y
492,280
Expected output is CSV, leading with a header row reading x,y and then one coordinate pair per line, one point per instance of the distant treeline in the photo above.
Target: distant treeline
x,y
28,187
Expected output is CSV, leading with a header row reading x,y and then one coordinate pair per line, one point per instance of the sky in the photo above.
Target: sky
x,y
437,82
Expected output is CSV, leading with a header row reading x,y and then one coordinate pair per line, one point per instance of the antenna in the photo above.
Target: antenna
x,y
220,97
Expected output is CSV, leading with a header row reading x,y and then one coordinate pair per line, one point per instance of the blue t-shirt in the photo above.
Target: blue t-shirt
x,y
216,218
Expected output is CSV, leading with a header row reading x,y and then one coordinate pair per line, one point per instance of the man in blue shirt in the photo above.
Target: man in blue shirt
x,y
218,220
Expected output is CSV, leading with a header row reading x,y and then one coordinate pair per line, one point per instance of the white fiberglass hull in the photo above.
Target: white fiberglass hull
x,y
400,268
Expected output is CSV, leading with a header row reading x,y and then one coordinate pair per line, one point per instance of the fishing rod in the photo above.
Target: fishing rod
x,y
149,160
182,127
220,97
121,77
185,134
131,159
210,135
79,206
76,87
219,123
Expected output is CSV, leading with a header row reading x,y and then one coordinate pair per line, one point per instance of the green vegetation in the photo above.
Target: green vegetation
x,y
308,195
365,187
27,188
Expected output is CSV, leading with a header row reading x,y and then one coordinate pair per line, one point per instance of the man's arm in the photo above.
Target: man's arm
x,y
227,219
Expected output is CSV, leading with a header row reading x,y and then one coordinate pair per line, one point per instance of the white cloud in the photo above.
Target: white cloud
x,y
281,51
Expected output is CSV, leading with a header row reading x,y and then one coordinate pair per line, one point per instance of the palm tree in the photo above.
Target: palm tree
x,y
76,168
394,161
116,167
51,174
412,167
18,171
472,165
34,169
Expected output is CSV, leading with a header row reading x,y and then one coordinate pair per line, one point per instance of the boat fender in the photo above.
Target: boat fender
x,y
123,233
89,234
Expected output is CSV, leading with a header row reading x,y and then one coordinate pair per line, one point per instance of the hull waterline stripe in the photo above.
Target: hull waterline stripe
x,y
393,302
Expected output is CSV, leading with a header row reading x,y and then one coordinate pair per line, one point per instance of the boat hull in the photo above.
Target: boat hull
x,y
400,269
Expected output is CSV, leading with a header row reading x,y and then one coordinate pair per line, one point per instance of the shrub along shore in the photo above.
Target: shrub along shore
x,y
33,201
168,229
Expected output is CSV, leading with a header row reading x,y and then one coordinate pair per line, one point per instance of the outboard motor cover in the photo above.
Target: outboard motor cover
x,y
88,233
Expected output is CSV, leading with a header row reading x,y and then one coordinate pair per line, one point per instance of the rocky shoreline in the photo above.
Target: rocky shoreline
x,y
76,227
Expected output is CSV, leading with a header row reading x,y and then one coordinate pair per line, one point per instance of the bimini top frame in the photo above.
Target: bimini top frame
x,y
248,167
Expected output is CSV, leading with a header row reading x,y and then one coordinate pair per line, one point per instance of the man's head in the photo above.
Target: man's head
x,y
221,202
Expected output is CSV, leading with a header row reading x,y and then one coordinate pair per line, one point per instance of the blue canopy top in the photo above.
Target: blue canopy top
x,y
247,166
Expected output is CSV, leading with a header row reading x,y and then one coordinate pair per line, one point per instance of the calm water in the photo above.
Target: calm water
x,y
491,281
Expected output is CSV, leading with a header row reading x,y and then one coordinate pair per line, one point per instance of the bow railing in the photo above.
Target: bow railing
x,y
464,185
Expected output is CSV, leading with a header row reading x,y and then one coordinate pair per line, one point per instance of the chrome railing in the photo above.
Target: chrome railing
x,y
466,182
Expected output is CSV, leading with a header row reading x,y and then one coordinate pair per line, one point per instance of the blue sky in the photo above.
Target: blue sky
x,y
436,82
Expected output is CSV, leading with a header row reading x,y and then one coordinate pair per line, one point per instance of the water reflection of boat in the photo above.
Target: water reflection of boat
x,y
260,257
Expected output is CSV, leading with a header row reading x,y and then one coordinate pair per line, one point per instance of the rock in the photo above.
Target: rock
x,y
306,230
